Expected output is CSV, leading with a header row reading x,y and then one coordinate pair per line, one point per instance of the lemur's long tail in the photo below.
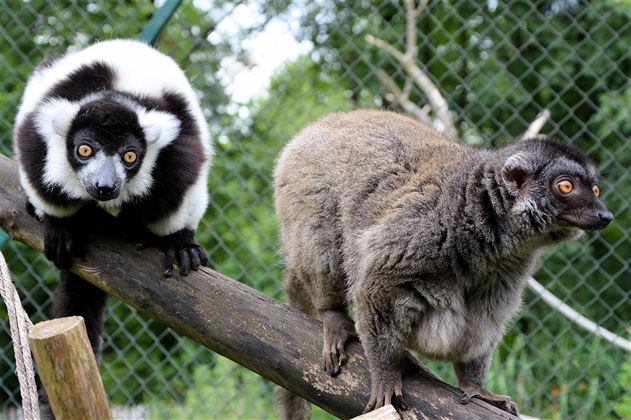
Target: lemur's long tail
x,y
292,406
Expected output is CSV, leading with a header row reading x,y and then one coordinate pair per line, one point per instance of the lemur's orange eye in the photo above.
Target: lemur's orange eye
x,y
596,190
130,157
565,187
85,151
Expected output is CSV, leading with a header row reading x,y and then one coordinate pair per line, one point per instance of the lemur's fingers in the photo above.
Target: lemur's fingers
x,y
371,403
386,388
387,396
399,401
203,257
375,394
185,262
30,209
169,259
331,362
513,408
466,398
342,352
195,262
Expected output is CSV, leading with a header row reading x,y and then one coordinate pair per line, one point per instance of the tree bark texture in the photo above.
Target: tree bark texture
x,y
234,320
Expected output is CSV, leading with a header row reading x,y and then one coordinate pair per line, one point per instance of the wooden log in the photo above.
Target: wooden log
x,y
238,322
68,369
387,412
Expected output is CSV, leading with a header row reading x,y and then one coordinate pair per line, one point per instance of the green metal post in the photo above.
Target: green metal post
x,y
4,239
158,21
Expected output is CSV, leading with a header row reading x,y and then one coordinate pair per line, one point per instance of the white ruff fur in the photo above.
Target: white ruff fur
x,y
140,70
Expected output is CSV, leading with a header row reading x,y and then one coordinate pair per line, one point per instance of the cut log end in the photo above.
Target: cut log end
x,y
48,329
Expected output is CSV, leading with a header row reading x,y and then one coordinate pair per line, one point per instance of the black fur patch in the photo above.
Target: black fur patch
x,y
64,239
553,149
87,79
107,117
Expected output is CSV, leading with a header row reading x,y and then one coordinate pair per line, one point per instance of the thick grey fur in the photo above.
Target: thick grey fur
x,y
430,240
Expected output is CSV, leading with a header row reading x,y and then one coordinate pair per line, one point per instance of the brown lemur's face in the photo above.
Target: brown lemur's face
x,y
573,192
556,189
581,205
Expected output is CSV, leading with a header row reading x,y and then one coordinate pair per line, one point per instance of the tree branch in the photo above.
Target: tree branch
x,y
407,61
236,321
387,47
535,127
396,95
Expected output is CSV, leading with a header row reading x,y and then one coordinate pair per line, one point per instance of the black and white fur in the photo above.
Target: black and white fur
x,y
115,96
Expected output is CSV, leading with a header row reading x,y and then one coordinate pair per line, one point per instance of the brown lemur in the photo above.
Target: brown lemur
x,y
430,240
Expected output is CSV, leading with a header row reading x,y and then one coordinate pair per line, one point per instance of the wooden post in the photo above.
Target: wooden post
x,y
68,369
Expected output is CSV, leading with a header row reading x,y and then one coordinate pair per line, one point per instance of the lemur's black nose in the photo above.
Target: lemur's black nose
x,y
105,190
605,216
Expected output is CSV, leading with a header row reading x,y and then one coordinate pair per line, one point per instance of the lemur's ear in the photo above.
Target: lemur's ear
x,y
517,171
54,118
160,128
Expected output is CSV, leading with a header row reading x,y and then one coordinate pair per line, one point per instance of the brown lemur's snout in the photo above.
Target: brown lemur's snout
x,y
594,215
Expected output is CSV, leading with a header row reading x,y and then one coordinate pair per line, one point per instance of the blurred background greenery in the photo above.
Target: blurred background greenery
x,y
497,63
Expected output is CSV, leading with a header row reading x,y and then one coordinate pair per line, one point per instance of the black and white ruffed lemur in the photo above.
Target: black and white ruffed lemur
x,y
116,129
431,241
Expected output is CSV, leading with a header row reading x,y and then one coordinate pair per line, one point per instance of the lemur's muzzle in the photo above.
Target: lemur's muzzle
x,y
106,184
595,216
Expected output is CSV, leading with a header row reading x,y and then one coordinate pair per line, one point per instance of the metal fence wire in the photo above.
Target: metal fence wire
x,y
497,64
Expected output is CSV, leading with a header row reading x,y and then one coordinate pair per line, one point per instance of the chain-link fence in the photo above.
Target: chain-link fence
x,y
497,64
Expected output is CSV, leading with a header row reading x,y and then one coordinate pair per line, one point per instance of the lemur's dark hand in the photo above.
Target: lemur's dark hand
x,y
339,329
502,402
63,240
181,246
386,388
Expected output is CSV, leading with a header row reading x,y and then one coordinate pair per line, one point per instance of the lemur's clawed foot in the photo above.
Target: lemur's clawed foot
x,y
386,388
63,240
502,402
338,330
181,247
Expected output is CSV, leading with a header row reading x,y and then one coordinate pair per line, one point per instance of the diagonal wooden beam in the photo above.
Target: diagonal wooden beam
x,y
238,322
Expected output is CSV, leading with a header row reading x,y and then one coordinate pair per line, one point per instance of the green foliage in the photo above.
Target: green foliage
x,y
37,29
497,63
223,390
623,408
231,392
242,228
